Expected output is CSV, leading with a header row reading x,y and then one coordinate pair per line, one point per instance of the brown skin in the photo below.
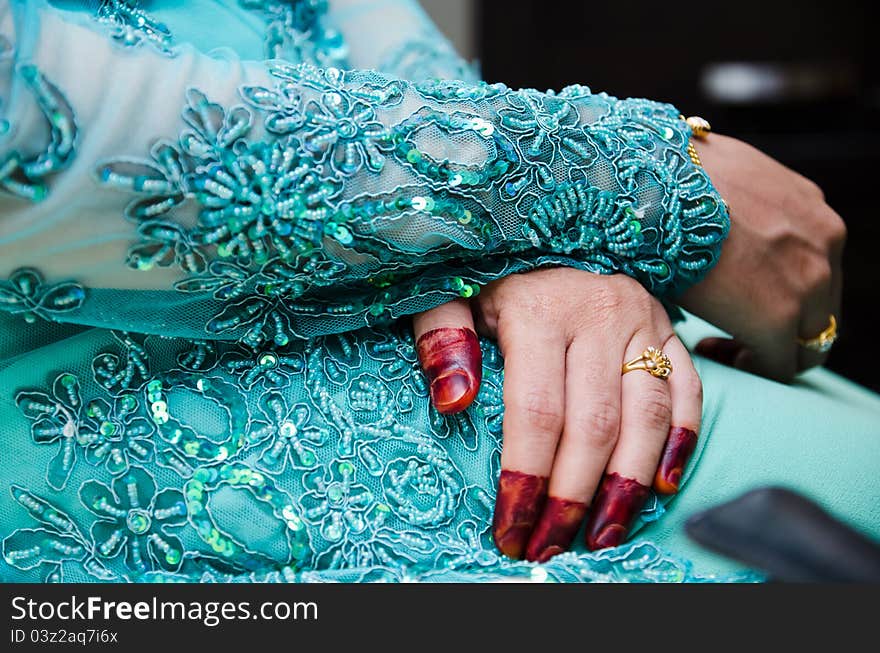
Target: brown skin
x,y
520,500
679,448
617,503
779,274
556,529
452,362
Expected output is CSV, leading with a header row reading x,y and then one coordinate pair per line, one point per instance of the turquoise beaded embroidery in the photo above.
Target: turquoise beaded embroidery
x,y
278,221
331,466
26,175
27,294
130,26
296,31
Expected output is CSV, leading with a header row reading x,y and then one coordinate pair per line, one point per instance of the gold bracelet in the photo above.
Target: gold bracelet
x,y
700,128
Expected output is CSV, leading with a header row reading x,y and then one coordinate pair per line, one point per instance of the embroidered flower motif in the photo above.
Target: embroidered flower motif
x,y
546,125
134,517
400,362
424,490
201,356
116,434
542,120
283,107
348,130
269,199
56,418
25,293
294,439
336,502
119,374
25,176
456,90
340,357
213,130
160,180
56,542
271,367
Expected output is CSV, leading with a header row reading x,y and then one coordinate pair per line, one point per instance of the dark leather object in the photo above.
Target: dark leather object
x,y
788,537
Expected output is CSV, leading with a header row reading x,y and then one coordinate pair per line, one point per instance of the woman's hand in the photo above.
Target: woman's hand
x,y
779,275
572,423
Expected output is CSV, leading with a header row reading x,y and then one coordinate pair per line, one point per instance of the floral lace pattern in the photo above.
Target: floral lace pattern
x,y
26,294
295,32
282,218
26,175
333,465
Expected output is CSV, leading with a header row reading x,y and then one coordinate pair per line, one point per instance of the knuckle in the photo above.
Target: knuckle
x,y
607,299
619,292
835,229
542,413
655,407
598,427
540,307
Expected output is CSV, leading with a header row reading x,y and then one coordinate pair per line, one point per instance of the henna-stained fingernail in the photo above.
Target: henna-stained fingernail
x,y
556,528
616,505
452,361
679,446
520,500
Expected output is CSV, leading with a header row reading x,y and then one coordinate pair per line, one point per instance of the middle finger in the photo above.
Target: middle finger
x,y
534,395
592,423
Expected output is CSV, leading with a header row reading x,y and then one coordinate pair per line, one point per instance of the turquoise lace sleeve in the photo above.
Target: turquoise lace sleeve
x,y
265,201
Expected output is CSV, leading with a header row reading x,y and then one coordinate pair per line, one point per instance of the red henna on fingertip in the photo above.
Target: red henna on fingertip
x,y
616,505
679,447
520,500
556,528
452,361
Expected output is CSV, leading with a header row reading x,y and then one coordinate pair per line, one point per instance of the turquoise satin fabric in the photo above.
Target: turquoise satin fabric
x,y
201,371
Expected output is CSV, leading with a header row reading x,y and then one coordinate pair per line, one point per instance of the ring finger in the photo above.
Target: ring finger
x,y
646,413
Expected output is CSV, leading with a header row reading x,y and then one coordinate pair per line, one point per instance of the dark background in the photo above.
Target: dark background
x,y
819,116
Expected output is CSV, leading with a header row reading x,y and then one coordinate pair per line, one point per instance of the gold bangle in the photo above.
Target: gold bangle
x,y
700,129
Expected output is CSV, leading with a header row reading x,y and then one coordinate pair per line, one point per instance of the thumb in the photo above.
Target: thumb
x,y
450,355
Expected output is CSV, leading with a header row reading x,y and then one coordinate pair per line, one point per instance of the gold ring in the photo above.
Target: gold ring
x,y
822,343
653,361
